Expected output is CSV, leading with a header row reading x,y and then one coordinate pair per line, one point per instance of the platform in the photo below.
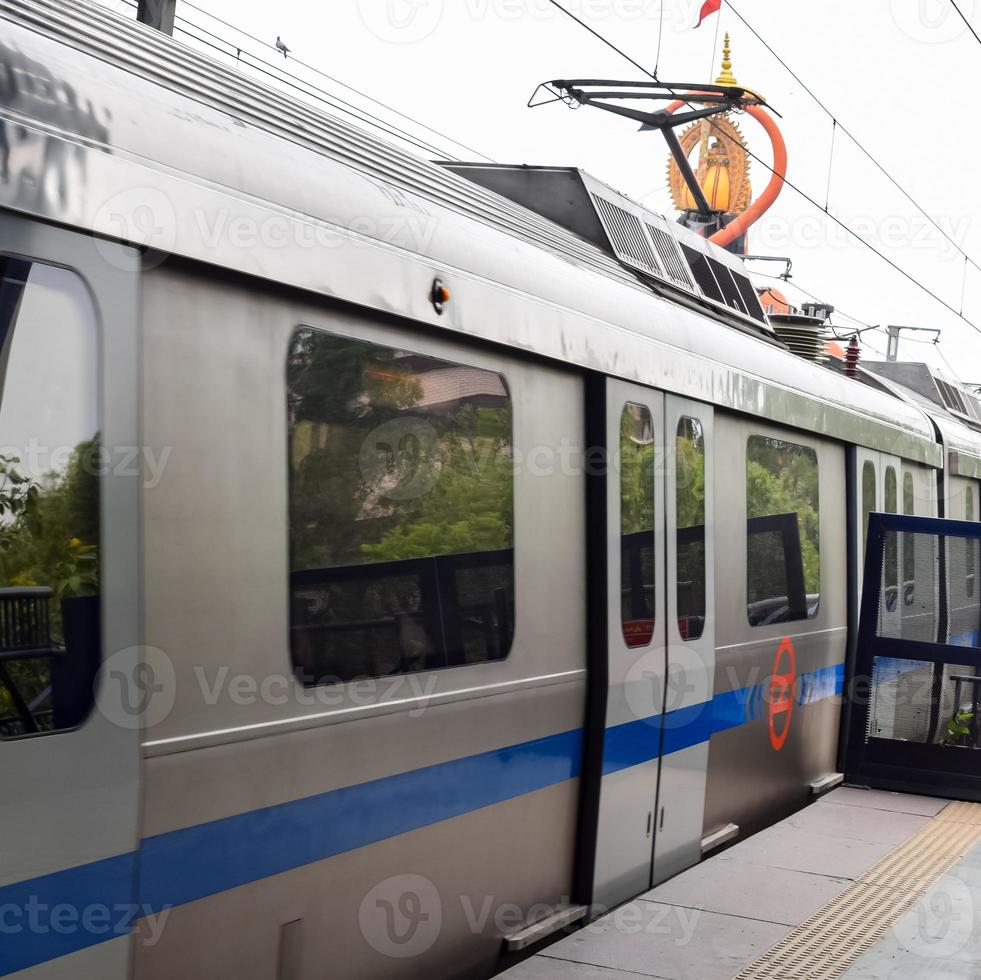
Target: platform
x,y
863,884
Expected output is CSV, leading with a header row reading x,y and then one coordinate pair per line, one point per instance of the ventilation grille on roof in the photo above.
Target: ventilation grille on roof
x,y
671,258
960,402
627,235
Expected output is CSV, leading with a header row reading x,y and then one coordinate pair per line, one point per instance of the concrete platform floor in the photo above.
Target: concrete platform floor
x,y
712,921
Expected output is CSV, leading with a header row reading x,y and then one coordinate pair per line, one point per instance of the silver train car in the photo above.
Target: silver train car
x,y
400,561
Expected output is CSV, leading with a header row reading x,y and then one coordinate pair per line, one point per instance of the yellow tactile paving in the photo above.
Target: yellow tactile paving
x,y
827,944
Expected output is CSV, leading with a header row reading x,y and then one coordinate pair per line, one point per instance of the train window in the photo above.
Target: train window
x,y
401,511
868,499
50,647
891,558
783,573
690,521
909,543
970,544
637,524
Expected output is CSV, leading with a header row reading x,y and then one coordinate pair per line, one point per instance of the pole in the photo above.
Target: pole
x,y
158,14
892,349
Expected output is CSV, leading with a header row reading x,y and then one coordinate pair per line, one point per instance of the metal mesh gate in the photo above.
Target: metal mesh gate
x,y
915,682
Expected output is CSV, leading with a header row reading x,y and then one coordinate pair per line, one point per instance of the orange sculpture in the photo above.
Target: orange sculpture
x,y
723,164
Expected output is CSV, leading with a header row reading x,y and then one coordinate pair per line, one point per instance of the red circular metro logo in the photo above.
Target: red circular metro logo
x,y
782,693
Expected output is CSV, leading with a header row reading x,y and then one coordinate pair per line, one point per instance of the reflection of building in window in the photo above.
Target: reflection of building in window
x,y
401,510
637,598
783,531
49,499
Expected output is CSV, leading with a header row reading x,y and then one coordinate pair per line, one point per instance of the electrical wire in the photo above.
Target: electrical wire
x,y
307,88
598,36
660,35
323,74
853,138
960,12
841,224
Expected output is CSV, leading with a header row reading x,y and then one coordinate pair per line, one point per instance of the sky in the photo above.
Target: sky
x,y
895,73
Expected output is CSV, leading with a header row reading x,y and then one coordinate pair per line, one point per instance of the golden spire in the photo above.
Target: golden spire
x,y
726,76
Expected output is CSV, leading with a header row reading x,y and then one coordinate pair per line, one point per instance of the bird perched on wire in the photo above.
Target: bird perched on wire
x,y
281,47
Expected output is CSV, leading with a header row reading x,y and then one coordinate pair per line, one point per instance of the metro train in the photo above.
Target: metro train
x,y
407,560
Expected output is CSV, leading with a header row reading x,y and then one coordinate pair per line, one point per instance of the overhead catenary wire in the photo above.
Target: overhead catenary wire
x,y
331,99
960,13
307,88
807,197
330,78
838,125
598,36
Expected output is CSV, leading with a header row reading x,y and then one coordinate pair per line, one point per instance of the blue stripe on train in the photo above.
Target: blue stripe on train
x,y
638,741
63,912
185,865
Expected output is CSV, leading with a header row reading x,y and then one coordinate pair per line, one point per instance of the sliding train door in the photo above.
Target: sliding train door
x,y
636,648
690,628
660,639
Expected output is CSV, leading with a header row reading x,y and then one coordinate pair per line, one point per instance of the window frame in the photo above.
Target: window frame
x,y
789,440
104,557
394,345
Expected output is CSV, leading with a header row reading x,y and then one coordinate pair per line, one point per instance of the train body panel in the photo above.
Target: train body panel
x,y
461,617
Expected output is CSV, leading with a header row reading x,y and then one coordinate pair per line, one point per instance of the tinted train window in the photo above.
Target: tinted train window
x,y
690,521
50,459
970,544
637,525
909,542
891,558
401,511
783,532
868,499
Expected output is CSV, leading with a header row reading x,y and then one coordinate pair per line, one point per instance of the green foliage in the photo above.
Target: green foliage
x,y
782,479
958,729
49,535
346,509
636,473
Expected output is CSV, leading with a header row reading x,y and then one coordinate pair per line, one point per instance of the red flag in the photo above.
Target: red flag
x,y
709,7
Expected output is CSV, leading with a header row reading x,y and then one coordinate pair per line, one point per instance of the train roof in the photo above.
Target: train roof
x,y
236,174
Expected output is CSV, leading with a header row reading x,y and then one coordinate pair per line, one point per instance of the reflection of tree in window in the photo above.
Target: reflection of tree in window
x,y
49,499
690,519
401,510
637,524
970,544
909,542
891,560
868,499
783,531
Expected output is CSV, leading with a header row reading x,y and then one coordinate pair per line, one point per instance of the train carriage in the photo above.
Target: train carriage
x,y
398,574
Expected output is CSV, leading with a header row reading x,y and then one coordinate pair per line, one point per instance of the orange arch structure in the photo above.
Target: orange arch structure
x,y
764,202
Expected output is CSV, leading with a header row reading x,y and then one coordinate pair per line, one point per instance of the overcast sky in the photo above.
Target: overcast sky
x,y
896,73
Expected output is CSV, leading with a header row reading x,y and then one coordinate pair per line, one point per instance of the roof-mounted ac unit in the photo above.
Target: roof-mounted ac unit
x,y
641,239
